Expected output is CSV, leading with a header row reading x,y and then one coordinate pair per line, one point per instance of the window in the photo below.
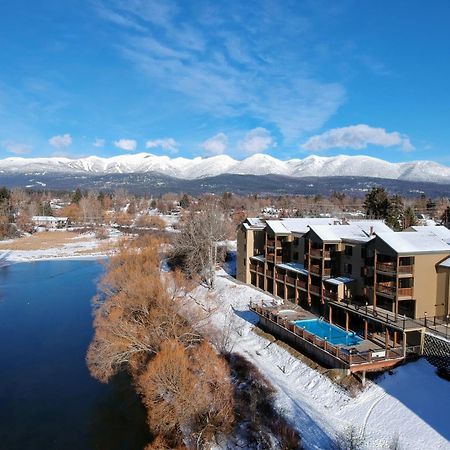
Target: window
x,y
348,268
296,256
363,252
348,250
296,242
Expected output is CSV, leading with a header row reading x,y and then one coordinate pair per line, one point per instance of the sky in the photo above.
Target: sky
x,y
204,78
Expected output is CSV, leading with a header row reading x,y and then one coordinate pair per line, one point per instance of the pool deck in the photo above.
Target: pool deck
x,y
364,356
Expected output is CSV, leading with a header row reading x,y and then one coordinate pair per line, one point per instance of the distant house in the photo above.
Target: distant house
x,y
50,221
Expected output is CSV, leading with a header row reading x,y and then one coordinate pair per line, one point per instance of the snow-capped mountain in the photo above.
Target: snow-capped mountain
x,y
259,164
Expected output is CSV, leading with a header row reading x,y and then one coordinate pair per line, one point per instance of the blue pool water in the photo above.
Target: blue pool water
x,y
333,334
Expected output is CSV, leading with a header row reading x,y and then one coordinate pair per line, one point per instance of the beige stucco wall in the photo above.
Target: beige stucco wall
x,y
429,287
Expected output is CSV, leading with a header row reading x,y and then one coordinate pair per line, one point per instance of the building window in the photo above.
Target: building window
x,y
348,250
296,242
348,268
363,252
245,261
296,256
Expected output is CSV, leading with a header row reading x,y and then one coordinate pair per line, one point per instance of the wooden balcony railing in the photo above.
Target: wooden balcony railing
x,y
270,242
253,267
405,292
330,295
279,276
385,289
314,269
314,289
301,284
270,258
386,267
405,269
290,280
326,272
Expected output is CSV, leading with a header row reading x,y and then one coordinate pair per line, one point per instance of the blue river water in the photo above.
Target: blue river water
x,y
48,400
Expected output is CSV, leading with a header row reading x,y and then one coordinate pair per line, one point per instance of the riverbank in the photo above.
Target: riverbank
x,y
60,244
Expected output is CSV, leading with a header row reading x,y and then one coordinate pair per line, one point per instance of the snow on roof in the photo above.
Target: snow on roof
x,y
48,218
376,226
445,263
295,266
339,280
440,231
259,258
277,226
411,243
255,222
301,224
338,233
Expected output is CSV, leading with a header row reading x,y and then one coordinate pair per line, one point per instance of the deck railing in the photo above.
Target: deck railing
x,y
350,356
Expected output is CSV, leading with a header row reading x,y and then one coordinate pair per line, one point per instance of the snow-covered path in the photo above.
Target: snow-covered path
x,y
411,404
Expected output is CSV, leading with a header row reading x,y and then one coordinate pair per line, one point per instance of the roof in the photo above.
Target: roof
x,y
277,227
339,233
255,222
258,257
339,280
48,218
302,224
445,263
437,230
295,266
414,243
374,226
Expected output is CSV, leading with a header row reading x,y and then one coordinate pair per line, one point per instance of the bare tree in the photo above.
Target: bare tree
x,y
196,246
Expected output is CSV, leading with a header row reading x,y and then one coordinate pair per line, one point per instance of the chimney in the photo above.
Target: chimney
x,y
371,232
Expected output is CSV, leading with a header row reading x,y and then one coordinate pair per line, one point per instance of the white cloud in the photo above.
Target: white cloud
x,y
17,148
128,145
242,76
216,145
61,141
168,144
357,137
257,140
98,142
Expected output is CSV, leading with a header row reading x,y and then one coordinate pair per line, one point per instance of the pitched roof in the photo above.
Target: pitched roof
x,y
414,243
445,263
338,233
277,227
438,230
374,226
302,224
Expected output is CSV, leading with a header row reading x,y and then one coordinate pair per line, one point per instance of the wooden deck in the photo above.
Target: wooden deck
x,y
366,356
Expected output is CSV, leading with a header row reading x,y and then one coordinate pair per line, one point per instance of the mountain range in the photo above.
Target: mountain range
x,y
258,164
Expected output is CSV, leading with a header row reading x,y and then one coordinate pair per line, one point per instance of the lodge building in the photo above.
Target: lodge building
x,y
315,262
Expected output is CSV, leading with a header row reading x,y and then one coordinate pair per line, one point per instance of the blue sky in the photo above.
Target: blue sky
x,y
197,78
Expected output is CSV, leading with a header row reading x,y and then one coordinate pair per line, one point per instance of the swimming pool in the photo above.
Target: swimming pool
x,y
324,330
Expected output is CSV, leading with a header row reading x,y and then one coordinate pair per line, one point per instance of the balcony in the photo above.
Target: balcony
x,y
387,267
330,295
405,292
279,276
405,270
386,289
290,280
253,267
273,258
319,253
315,269
302,285
314,289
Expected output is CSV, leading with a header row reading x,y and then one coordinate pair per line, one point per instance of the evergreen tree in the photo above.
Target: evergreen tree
x,y
185,202
446,217
409,218
77,196
377,203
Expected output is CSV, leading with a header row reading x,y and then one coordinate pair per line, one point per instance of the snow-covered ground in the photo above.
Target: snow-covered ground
x,y
410,405
83,246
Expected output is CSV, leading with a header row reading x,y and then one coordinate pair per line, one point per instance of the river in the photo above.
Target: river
x,y
48,400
